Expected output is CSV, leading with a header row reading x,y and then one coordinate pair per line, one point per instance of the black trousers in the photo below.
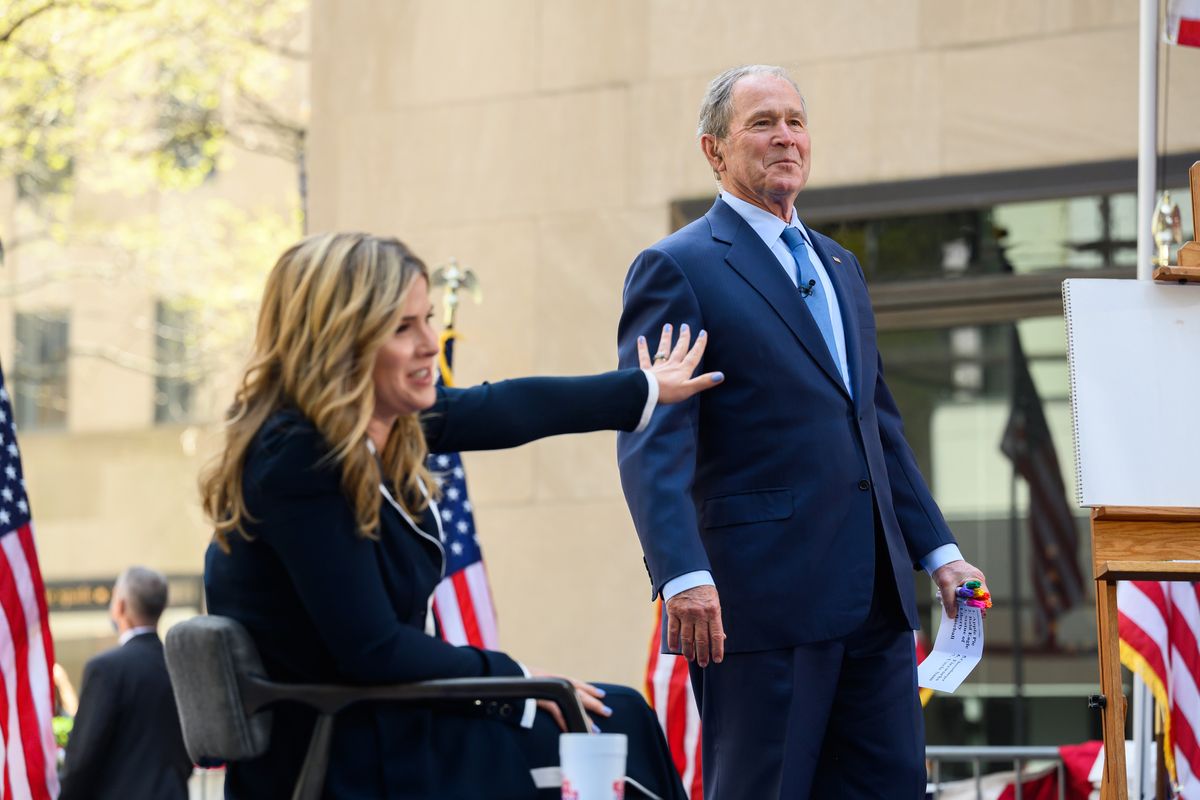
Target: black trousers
x,y
832,720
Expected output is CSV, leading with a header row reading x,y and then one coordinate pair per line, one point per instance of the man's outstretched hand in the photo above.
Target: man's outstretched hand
x,y
694,625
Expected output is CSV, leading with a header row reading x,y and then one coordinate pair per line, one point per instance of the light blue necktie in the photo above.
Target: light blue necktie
x,y
810,287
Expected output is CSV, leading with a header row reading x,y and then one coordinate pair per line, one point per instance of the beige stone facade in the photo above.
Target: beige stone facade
x,y
541,142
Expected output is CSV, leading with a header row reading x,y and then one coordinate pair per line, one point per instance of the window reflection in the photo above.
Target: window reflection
x,y
955,389
1090,232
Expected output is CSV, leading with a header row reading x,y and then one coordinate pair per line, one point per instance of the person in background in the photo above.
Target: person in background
x,y
126,741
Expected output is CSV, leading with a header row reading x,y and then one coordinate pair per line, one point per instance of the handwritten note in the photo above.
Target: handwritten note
x,y
956,651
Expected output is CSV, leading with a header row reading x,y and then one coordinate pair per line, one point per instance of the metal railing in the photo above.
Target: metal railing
x,y
978,755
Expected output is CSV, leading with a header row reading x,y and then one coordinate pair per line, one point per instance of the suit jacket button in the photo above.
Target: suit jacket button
x,y
864,485
506,710
492,706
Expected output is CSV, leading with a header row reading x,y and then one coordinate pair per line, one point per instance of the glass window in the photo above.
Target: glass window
x,y
39,378
175,381
1089,232
963,398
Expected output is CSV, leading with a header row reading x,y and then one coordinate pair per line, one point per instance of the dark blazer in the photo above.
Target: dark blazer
x,y
773,482
324,604
126,742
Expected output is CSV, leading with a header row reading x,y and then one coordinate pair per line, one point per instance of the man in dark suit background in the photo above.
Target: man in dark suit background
x,y
787,508
126,742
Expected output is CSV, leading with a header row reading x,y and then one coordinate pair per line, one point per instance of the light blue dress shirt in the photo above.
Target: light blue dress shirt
x,y
770,229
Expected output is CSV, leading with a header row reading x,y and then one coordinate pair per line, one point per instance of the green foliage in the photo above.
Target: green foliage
x,y
62,729
147,93
113,114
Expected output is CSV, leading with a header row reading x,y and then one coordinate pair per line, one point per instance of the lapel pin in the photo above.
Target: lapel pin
x,y
835,258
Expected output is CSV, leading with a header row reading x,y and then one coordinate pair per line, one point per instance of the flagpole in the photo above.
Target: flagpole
x,y
1017,650
1147,132
1148,19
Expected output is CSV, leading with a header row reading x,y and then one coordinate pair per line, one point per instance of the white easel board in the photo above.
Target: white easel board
x,y
1133,348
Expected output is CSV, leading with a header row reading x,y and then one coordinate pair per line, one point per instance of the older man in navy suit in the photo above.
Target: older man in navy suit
x,y
786,509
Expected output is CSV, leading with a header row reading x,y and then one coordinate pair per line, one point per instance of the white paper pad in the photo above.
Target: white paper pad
x,y
958,648
1131,349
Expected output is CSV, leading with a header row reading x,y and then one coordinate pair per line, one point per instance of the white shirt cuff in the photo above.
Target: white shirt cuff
x,y
651,401
530,703
688,580
940,557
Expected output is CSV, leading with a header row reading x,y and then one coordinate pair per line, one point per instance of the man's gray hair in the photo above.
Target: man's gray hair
x,y
145,593
717,107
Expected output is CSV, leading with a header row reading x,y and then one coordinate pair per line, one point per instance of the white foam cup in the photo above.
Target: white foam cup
x,y
593,765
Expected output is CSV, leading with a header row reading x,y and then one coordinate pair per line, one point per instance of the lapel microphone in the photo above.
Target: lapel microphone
x,y
807,290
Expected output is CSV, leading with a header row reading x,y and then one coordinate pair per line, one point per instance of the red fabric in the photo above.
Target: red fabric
x,y
1132,634
466,607
669,691
1077,763
1189,32
922,646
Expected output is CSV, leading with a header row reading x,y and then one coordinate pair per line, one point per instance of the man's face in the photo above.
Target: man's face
x,y
764,157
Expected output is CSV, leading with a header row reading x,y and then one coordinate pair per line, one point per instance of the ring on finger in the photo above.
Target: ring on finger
x,y
660,357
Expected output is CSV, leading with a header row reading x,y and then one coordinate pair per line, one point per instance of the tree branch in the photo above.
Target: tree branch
x,y
193,369
268,115
278,49
15,26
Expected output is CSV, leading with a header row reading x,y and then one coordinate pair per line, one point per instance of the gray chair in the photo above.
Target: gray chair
x,y
223,696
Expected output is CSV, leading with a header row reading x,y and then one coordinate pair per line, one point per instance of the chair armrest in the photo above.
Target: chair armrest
x,y
329,699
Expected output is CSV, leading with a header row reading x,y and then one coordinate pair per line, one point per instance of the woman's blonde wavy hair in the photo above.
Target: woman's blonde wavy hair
x,y
331,301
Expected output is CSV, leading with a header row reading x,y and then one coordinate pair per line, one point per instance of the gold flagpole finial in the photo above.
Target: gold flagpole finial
x,y
1167,229
453,278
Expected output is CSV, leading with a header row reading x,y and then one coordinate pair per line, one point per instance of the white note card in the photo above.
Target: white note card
x,y
957,650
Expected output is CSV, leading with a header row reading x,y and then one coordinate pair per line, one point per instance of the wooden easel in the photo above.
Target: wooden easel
x,y
1188,268
1132,544
1139,544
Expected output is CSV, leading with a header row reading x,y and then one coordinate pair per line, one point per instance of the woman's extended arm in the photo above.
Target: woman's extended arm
x,y
513,412
510,413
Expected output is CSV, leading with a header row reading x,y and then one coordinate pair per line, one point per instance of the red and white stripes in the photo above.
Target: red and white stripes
x,y
1159,625
26,665
463,605
669,692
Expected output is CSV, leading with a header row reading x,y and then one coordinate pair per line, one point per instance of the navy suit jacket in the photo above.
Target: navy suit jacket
x,y
325,605
126,741
772,481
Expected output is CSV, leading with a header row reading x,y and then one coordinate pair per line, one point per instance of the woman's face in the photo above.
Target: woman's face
x,y
406,364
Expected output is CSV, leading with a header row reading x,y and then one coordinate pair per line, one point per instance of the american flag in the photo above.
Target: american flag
x,y
462,602
1057,581
922,650
26,649
669,692
1183,22
1159,627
